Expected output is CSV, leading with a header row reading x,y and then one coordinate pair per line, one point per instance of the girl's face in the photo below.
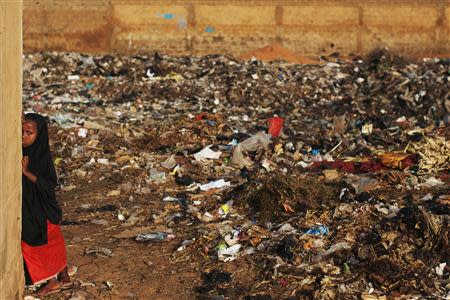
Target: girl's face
x,y
29,133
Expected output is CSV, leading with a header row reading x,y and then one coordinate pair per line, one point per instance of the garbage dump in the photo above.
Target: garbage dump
x,y
217,178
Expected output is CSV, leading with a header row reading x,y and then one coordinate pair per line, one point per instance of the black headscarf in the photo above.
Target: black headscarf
x,y
39,202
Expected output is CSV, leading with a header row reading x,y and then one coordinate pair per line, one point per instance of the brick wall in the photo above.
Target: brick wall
x,y
415,27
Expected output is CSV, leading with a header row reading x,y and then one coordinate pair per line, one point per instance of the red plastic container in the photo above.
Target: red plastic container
x,y
275,126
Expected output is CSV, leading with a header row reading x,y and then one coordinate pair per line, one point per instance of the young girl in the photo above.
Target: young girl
x,y
43,247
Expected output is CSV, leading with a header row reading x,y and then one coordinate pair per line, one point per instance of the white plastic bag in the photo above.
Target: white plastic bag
x,y
207,153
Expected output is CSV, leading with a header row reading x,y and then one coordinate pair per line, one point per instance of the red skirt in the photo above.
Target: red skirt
x,y
46,261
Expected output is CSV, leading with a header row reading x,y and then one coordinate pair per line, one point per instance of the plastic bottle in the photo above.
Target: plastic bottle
x,y
154,236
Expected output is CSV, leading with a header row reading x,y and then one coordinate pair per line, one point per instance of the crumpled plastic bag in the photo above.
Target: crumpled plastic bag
x,y
218,184
207,153
261,140
239,158
258,141
169,163
228,254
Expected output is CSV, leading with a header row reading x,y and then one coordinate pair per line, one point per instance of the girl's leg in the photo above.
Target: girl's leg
x,y
63,276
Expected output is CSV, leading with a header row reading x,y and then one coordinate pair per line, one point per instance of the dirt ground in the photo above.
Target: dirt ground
x,y
136,270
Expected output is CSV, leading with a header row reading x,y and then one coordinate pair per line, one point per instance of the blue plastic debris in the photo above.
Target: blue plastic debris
x,y
318,230
315,151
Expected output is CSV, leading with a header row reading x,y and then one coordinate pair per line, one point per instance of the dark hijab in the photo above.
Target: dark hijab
x,y
38,199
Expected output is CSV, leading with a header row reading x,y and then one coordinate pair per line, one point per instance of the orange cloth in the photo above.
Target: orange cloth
x,y
46,261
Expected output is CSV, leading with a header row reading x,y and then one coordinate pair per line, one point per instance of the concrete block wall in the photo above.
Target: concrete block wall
x,y
415,27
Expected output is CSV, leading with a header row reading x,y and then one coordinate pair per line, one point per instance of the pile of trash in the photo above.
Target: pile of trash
x,y
322,181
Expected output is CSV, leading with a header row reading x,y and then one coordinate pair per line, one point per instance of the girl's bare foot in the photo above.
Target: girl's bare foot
x,y
52,286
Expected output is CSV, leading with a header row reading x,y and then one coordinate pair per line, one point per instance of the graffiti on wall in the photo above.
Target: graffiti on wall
x,y
181,20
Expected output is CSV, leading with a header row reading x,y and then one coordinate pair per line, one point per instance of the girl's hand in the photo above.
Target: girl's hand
x,y
26,172
23,118
25,163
